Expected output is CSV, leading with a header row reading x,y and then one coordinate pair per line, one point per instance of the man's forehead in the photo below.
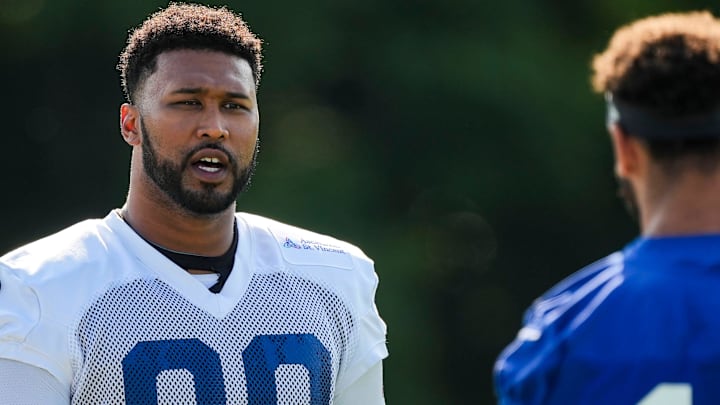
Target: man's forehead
x,y
202,69
202,62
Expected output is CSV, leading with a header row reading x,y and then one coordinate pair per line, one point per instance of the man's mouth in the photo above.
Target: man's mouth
x,y
209,164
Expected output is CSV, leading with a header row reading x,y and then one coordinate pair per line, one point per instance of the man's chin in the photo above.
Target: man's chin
x,y
205,202
207,199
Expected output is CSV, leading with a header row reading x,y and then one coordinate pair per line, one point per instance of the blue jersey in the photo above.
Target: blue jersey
x,y
640,326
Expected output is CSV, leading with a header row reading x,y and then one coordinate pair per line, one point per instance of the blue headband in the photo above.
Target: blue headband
x,y
648,124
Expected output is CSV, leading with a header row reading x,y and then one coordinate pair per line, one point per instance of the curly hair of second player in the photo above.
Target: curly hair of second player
x,y
669,62
186,26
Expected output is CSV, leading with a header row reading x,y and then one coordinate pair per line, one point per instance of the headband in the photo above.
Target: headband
x,y
648,124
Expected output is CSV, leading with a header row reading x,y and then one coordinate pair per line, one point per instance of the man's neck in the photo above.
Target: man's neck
x,y
686,206
176,230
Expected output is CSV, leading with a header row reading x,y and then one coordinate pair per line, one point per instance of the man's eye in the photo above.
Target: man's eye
x,y
234,106
189,102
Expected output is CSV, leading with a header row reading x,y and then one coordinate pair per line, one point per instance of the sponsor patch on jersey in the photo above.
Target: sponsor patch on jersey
x,y
297,249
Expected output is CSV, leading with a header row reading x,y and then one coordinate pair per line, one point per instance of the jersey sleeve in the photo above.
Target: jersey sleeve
x,y
527,371
19,314
23,384
367,390
23,337
371,346
524,370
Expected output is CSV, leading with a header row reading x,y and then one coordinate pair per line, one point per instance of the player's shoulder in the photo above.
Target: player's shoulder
x,y
572,301
302,247
323,260
587,279
77,243
552,320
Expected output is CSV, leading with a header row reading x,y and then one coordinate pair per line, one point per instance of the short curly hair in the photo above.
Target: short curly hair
x,y
668,64
186,26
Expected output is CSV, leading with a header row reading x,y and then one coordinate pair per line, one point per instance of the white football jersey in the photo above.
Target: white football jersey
x,y
117,322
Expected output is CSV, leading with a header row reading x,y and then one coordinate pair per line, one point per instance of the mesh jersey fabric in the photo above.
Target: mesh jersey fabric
x,y
116,322
622,329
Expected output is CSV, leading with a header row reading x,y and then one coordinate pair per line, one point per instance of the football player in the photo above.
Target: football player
x,y
642,325
175,297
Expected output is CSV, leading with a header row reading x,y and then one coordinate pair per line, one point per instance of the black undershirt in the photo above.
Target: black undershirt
x,y
221,265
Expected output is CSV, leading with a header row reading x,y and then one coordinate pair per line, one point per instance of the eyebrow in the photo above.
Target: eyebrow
x,y
200,90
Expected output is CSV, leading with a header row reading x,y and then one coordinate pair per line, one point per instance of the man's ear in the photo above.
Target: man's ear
x,y
130,124
627,152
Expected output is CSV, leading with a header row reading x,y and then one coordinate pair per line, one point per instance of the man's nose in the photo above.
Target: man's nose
x,y
213,126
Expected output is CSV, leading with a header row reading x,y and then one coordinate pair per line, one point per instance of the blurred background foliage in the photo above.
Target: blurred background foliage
x,y
457,142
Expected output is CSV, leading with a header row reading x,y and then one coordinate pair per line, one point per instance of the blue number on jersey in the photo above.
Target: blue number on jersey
x,y
261,358
148,359
267,352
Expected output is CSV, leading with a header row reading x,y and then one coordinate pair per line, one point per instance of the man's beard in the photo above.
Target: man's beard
x,y
168,176
626,192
